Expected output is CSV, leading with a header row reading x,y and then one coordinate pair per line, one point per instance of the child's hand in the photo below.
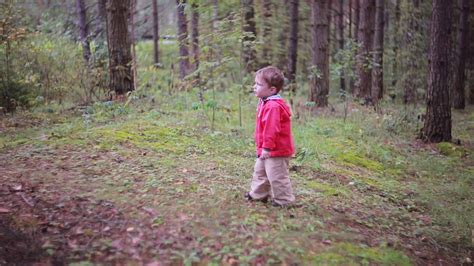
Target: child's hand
x,y
265,154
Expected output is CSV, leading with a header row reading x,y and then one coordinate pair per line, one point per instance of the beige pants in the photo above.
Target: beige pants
x,y
271,178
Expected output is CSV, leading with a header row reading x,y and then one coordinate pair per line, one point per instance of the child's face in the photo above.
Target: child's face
x,y
261,88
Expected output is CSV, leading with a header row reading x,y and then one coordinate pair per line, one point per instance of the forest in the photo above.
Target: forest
x,y
128,132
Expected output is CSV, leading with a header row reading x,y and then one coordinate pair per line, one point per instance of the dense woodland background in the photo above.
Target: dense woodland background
x,y
123,89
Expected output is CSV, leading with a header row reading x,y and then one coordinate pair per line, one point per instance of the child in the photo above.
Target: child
x,y
273,139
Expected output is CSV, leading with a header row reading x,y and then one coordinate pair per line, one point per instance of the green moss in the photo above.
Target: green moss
x,y
357,160
448,149
351,254
326,189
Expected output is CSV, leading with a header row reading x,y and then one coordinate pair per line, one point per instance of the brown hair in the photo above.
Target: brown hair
x,y
273,76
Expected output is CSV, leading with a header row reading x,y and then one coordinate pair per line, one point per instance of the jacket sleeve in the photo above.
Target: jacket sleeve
x,y
271,127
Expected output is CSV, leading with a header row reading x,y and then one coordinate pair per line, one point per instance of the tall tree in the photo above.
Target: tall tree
x,y
156,34
356,11
293,45
83,29
340,33
364,60
195,33
410,51
182,39
437,126
395,43
118,39
101,19
267,32
249,35
377,70
133,12
319,88
459,101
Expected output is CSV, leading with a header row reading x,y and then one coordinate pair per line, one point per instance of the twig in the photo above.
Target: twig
x,y
26,200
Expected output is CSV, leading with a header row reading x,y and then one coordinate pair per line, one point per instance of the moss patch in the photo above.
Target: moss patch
x,y
351,254
450,150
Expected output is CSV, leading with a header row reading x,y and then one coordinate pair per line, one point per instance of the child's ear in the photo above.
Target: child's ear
x,y
273,88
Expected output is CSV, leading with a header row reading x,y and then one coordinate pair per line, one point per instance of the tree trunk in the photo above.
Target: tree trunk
x,y
319,88
195,34
267,32
350,20
249,35
156,34
83,29
183,40
101,19
364,58
354,35
356,20
120,58
437,126
340,31
293,45
281,54
133,8
411,65
459,101
377,71
395,43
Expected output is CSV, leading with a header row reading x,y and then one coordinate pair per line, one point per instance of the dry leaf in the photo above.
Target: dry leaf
x,y
3,210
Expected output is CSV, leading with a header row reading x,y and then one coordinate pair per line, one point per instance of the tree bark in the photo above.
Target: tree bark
x,y
182,39
293,45
118,39
459,101
364,58
437,126
156,33
250,34
319,88
83,29
377,71
267,32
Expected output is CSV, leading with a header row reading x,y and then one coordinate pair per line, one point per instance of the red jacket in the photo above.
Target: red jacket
x,y
273,127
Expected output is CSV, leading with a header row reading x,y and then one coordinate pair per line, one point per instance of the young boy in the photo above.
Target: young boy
x,y
273,139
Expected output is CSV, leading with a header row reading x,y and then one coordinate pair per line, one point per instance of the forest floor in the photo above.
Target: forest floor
x,y
149,187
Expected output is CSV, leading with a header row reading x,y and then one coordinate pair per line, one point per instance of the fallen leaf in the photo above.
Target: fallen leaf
x,y
3,210
130,229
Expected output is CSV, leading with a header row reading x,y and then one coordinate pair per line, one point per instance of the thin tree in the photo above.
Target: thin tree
x,y
249,35
101,19
83,29
459,101
133,8
340,33
356,11
195,33
293,45
118,39
377,70
156,34
409,59
395,43
319,88
364,60
182,39
267,32
437,126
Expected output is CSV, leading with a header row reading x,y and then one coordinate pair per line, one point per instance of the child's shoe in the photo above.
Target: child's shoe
x,y
249,198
